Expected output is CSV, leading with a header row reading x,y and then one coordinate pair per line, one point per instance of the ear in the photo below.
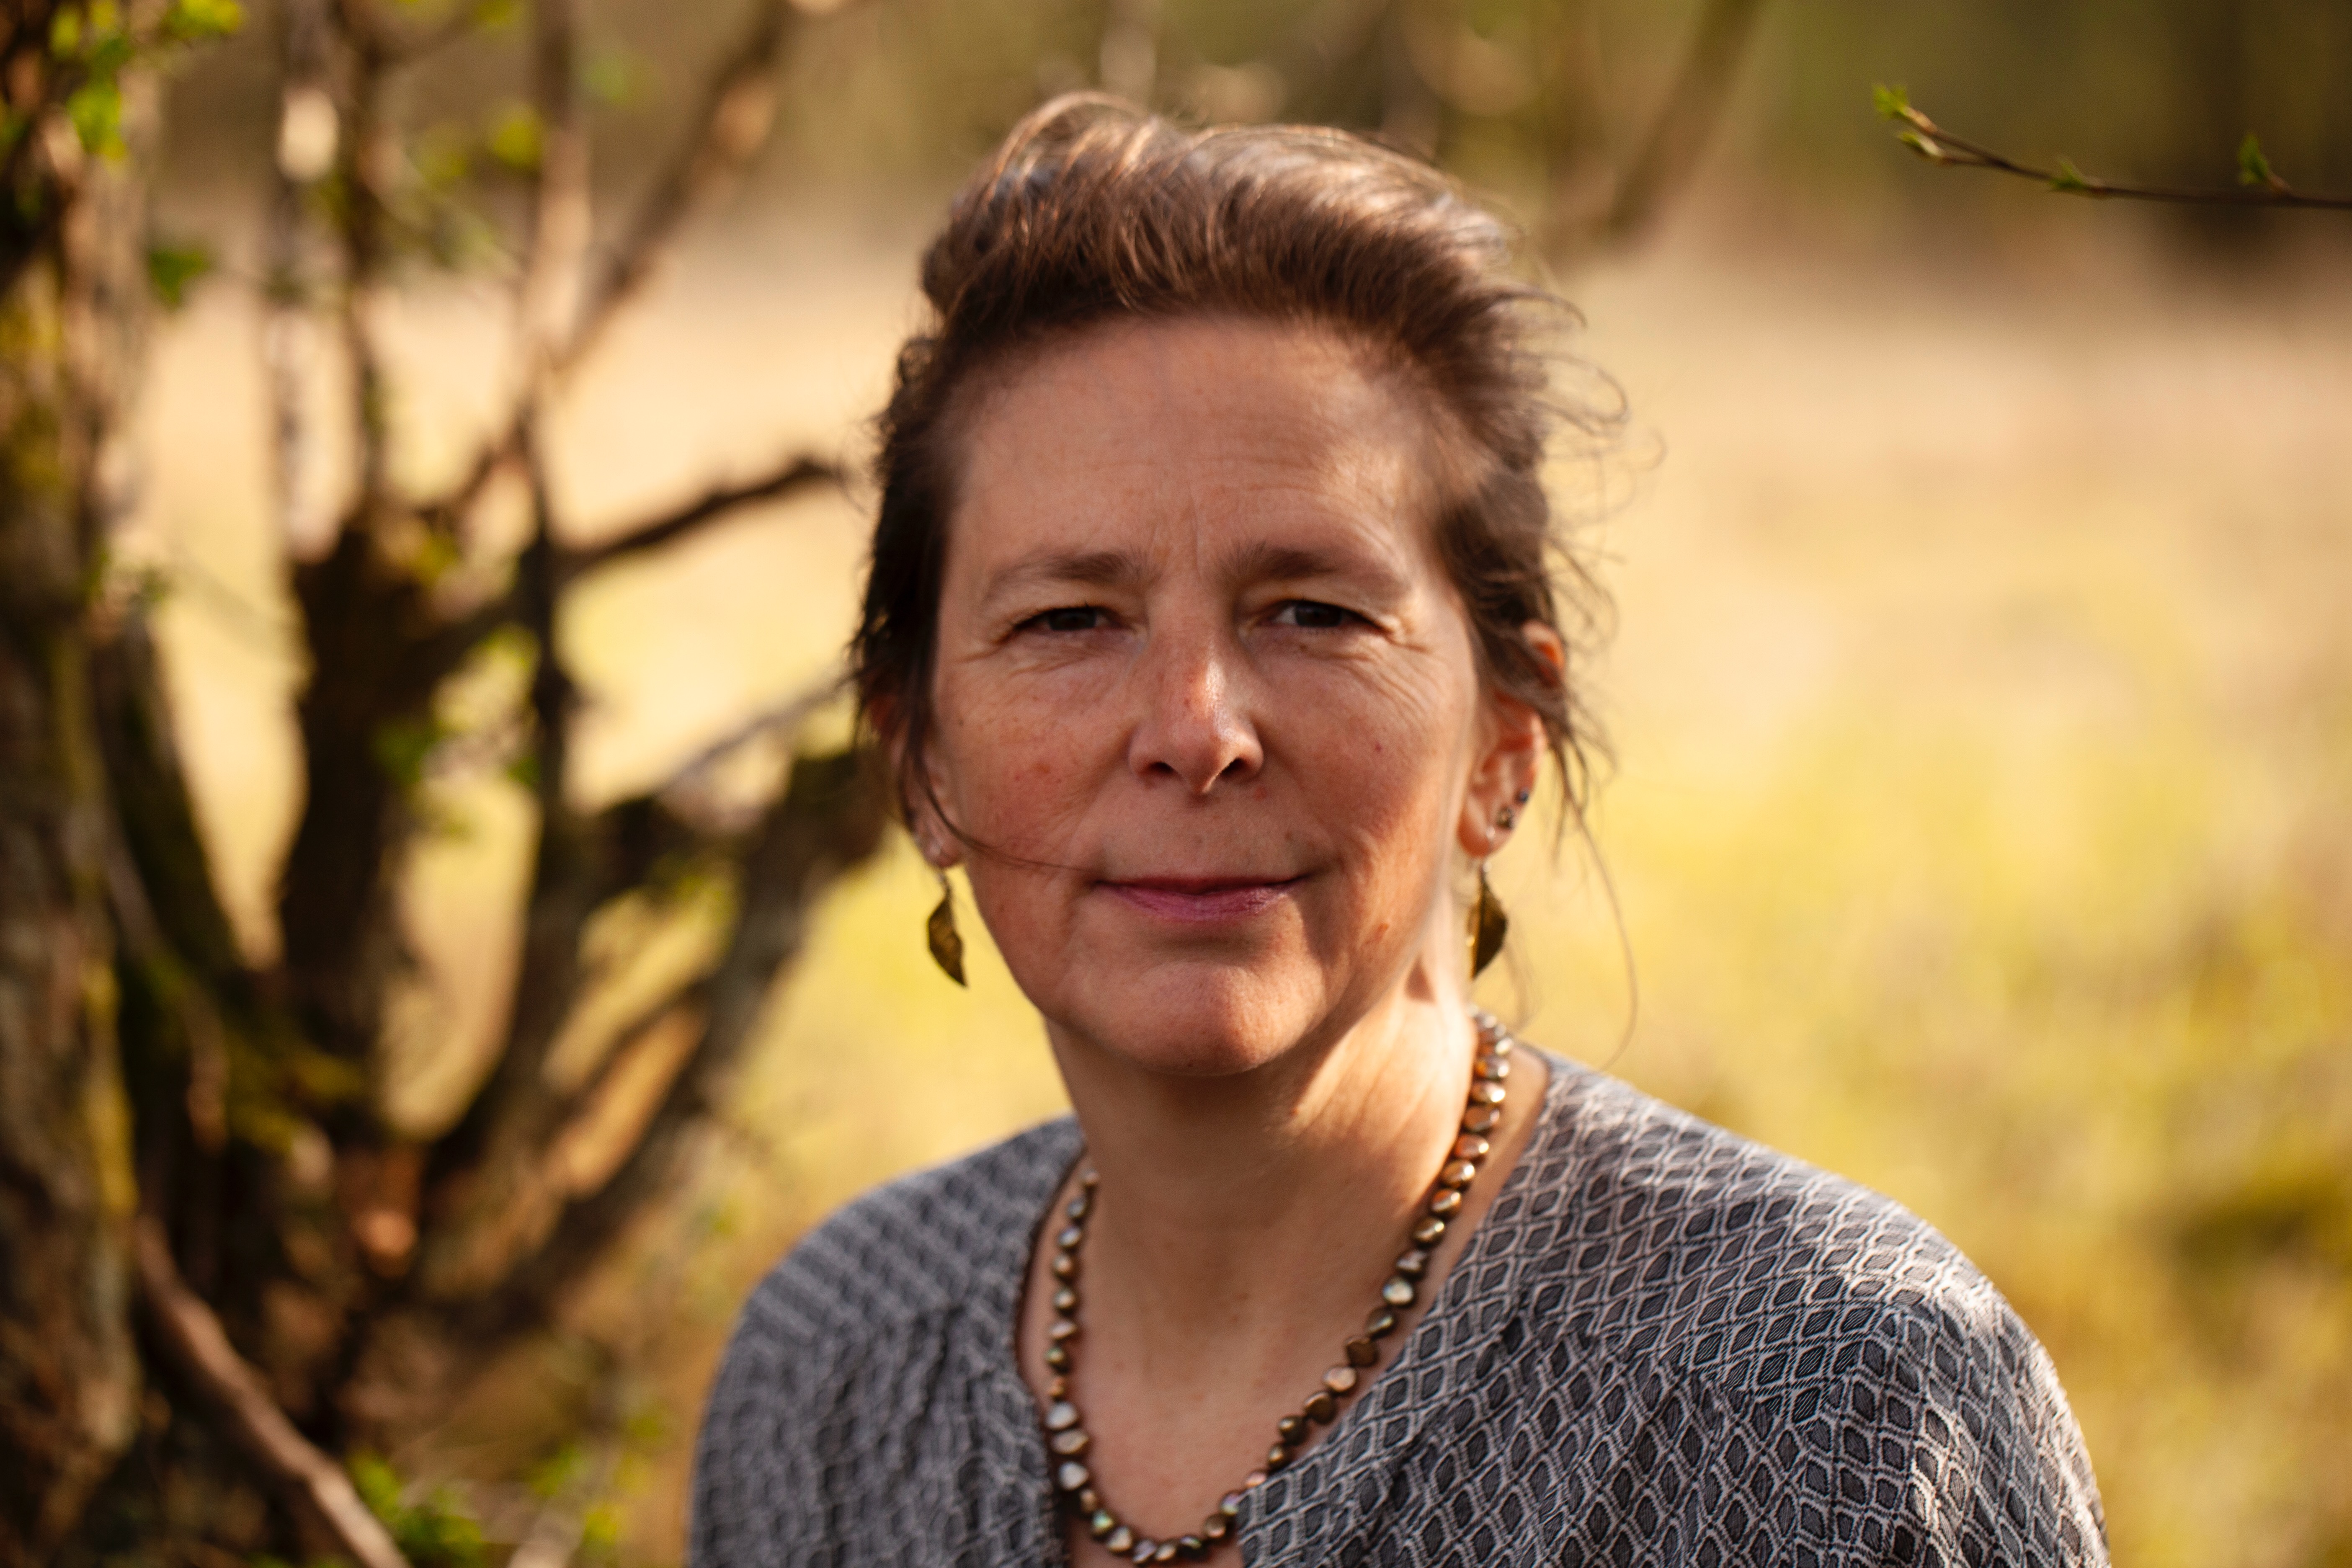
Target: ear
x,y
938,844
1511,744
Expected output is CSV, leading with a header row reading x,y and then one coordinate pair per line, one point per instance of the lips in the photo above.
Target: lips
x,y
1200,900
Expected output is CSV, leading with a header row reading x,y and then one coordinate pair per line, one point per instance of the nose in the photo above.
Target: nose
x,y
1194,727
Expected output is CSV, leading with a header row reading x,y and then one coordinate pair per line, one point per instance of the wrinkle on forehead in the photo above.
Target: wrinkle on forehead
x,y
1362,431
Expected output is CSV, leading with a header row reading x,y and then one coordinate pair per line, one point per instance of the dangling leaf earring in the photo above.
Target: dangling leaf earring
x,y
947,942
1489,925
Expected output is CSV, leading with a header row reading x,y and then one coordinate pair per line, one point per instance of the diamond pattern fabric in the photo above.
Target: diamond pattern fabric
x,y
1664,1345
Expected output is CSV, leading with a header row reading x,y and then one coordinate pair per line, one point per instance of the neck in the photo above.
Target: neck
x,y
1347,1129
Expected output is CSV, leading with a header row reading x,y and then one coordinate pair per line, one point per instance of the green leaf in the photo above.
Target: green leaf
x,y
2253,168
2069,179
438,1532
444,156
378,1484
611,76
174,269
403,746
515,138
1921,146
1892,102
95,111
197,21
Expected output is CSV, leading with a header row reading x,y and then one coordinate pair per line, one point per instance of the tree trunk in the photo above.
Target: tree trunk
x,y
222,1270
69,1374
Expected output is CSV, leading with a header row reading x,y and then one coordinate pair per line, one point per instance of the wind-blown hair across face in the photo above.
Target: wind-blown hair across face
x,y
1092,212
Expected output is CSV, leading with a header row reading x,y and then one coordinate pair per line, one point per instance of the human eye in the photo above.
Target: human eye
x,y
1067,618
1310,615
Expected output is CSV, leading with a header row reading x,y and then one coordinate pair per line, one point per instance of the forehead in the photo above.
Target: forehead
x,y
1193,428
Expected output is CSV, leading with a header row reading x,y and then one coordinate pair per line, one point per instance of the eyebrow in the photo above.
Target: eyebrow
x,y
1089,568
1260,561
1263,561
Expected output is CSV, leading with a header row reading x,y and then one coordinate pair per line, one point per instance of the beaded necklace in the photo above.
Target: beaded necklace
x,y
1066,1432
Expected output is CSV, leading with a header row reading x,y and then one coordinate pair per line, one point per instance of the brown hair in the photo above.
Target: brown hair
x,y
1092,210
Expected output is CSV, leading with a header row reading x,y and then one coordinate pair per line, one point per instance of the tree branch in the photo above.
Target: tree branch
x,y
560,224
307,122
829,820
446,648
515,1113
737,108
797,473
364,158
197,1345
397,46
2259,185
1688,117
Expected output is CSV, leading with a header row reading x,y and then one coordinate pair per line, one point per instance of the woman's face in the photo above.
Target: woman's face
x,y
1206,699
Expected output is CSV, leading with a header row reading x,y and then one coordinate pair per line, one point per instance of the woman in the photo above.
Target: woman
x,y
1210,624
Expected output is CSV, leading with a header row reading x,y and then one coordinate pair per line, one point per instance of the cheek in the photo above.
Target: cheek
x,y
1014,773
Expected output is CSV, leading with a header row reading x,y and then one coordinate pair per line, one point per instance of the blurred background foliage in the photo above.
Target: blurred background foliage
x,y
1982,825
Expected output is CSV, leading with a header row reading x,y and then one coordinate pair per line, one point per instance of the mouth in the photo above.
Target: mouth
x,y
1201,900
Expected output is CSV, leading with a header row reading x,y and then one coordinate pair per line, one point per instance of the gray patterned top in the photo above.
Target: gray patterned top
x,y
1664,1345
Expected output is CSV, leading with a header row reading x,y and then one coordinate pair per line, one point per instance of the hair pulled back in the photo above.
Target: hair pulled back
x,y
1092,211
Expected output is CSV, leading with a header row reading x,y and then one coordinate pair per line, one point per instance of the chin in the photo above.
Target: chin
x,y
1199,1020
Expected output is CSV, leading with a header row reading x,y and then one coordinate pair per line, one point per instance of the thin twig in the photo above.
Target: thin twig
x,y
559,222
397,46
1686,119
2261,186
288,335
737,109
194,1337
787,715
454,642
366,155
798,473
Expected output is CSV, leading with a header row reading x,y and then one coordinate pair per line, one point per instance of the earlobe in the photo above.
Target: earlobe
x,y
919,797
1504,781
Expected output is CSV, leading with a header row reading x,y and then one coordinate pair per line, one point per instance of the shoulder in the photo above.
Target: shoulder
x,y
925,1243
1834,1330
1670,1239
880,1313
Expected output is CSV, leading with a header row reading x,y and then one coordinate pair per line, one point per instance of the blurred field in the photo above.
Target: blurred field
x,y
1982,825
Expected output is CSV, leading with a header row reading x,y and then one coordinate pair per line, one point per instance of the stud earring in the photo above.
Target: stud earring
x,y
1506,818
1489,925
946,941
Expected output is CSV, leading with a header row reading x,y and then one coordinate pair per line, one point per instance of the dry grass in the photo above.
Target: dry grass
x,y
1984,702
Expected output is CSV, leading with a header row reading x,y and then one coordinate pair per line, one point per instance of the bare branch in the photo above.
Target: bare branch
x,y
797,473
515,1113
197,1345
829,819
397,46
449,648
783,718
558,243
737,108
366,156
1686,119
307,127
2260,185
